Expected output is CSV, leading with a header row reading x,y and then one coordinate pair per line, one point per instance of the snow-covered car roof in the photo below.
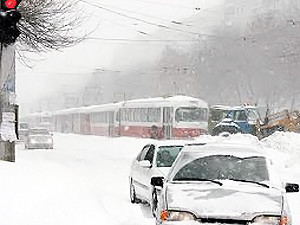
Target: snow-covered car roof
x,y
235,149
173,142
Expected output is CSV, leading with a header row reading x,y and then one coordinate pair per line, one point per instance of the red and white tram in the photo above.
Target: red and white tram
x,y
174,117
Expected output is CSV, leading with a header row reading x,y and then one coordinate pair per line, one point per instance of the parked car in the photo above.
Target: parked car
x,y
222,184
39,138
155,159
23,131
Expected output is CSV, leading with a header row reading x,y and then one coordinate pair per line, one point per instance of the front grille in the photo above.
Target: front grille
x,y
223,221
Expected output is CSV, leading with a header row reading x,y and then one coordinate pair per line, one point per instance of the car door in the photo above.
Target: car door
x,y
146,173
141,173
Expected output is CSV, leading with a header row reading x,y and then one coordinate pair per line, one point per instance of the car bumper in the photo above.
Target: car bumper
x,y
189,222
39,145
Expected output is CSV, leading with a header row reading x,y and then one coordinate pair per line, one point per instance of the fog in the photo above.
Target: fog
x,y
224,52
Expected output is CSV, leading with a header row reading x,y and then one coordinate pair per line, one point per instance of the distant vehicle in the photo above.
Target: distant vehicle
x,y
174,117
155,159
222,184
39,138
216,114
39,119
23,131
241,119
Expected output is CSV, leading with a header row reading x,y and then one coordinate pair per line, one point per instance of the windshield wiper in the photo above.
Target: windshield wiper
x,y
198,179
252,181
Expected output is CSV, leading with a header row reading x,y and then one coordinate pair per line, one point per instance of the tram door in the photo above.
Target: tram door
x,y
111,125
167,122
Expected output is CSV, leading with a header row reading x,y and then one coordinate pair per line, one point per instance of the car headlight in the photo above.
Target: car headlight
x,y
49,141
176,216
270,220
32,141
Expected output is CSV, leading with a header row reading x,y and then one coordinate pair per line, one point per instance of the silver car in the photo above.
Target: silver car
x,y
39,138
155,159
222,184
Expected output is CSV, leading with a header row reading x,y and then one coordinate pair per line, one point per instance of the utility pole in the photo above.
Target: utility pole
x,y
8,109
9,17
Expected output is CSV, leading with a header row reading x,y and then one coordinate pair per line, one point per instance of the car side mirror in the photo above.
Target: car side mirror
x,y
157,181
290,187
145,163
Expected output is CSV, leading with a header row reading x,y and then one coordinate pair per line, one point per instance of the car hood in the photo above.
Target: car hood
x,y
40,137
230,201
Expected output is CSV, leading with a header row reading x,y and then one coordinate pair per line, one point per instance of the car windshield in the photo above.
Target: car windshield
x,y
223,167
217,114
38,131
253,114
166,155
191,114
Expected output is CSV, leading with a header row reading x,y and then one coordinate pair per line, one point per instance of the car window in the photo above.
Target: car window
x,y
23,126
166,155
147,153
241,115
150,154
221,167
142,154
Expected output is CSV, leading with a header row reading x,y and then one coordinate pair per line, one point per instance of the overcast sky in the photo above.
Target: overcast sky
x,y
114,26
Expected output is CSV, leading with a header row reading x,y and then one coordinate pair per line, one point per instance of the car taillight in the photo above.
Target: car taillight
x,y
164,215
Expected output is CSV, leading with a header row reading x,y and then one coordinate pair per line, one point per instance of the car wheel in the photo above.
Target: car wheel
x,y
153,204
133,198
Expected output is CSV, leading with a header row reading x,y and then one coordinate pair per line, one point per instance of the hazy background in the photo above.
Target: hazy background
x,y
228,52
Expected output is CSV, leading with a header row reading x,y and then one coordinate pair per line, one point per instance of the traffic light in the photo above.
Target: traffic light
x,y
9,17
9,4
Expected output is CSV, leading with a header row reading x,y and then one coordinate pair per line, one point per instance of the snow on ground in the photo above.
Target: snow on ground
x,y
84,180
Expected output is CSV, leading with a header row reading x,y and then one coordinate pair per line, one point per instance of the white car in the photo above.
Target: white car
x,y
222,184
39,138
155,159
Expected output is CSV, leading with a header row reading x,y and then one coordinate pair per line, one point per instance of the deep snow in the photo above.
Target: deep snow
x,y
84,180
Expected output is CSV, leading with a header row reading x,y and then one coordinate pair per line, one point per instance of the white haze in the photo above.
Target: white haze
x,y
70,68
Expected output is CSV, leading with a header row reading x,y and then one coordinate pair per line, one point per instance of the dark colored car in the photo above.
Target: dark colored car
x,y
242,119
39,138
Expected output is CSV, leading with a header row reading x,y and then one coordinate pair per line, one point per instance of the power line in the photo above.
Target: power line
x,y
165,4
141,40
141,20
122,25
143,14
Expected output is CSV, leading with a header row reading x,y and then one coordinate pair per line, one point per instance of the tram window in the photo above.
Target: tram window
x,y
153,114
186,114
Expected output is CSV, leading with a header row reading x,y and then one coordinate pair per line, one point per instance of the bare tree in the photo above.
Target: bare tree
x,y
48,24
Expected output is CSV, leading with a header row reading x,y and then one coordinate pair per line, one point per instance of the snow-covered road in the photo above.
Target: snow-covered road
x,y
84,180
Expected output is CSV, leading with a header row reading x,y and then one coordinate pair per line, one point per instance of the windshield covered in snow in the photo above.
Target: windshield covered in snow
x,y
166,155
222,167
38,132
189,114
